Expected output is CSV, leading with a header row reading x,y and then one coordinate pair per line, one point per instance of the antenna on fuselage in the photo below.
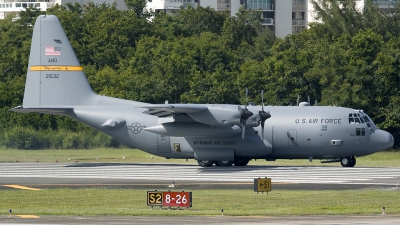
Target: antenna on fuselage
x,y
298,100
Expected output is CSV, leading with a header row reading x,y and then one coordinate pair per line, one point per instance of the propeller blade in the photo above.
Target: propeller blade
x,y
262,129
309,102
298,100
316,102
262,100
244,115
262,115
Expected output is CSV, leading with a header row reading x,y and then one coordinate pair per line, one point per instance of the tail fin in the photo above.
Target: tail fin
x,y
55,78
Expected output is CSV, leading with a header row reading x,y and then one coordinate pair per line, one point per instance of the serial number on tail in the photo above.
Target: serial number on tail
x,y
52,75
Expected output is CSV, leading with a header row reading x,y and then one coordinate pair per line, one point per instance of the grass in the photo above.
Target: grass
x,y
132,202
380,159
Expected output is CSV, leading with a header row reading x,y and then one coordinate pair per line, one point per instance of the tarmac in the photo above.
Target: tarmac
x,y
152,176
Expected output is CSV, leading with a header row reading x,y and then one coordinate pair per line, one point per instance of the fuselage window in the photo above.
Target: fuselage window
x,y
360,131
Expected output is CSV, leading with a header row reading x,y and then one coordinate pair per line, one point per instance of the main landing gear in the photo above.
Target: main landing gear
x,y
208,163
348,161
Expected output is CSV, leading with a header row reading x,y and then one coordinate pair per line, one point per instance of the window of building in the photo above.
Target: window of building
x,y
297,2
268,14
259,4
18,5
297,29
298,15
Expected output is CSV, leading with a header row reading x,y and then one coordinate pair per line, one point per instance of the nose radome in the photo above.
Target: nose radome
x,y
382,139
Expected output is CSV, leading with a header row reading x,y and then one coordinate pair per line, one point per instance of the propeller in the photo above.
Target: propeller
x,y
308,98
262,115
244,115
298,100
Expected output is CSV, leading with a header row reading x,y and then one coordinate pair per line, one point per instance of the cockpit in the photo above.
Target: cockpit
x,y
359,117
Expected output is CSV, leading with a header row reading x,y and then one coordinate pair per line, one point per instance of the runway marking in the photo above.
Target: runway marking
x,y
28,216
22,187
182,174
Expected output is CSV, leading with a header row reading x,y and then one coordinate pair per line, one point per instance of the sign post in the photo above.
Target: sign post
x,y
262,185
169,199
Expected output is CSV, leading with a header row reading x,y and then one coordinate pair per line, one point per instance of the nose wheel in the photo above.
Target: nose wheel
x,y
348,161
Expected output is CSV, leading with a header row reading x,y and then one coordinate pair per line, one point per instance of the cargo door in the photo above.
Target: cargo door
x,y
163,144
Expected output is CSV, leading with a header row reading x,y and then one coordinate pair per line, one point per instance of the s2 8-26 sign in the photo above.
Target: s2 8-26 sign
x,y
169,198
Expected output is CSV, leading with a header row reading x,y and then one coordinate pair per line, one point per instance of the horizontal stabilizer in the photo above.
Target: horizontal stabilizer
x,y
55,111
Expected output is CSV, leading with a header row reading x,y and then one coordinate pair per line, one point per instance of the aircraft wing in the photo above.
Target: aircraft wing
x,y
190,121
167,110
228,119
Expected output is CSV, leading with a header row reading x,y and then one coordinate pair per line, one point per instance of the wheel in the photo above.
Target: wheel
x,y
348,161
353,161
205,163
241,162
223,163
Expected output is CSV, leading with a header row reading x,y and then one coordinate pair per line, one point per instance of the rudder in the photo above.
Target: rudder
x,y
55,77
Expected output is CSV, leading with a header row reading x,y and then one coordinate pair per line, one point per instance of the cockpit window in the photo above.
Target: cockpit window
x,y
361,117
355,118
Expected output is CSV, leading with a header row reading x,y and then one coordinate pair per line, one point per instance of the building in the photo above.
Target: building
x,y
281,16
11,7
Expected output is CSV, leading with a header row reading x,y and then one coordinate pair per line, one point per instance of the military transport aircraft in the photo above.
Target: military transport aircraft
x,y
210,133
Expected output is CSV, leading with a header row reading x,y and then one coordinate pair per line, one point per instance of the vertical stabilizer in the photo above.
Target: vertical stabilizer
x,y
55,77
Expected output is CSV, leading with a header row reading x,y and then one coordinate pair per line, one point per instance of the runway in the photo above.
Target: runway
x,y
115,175
159,176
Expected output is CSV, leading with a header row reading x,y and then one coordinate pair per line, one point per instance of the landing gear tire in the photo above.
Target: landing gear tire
x,y
205,163
223,163
353,161
241,162
348,161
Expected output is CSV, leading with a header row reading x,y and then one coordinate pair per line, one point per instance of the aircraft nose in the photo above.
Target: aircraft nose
x,y
382,139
